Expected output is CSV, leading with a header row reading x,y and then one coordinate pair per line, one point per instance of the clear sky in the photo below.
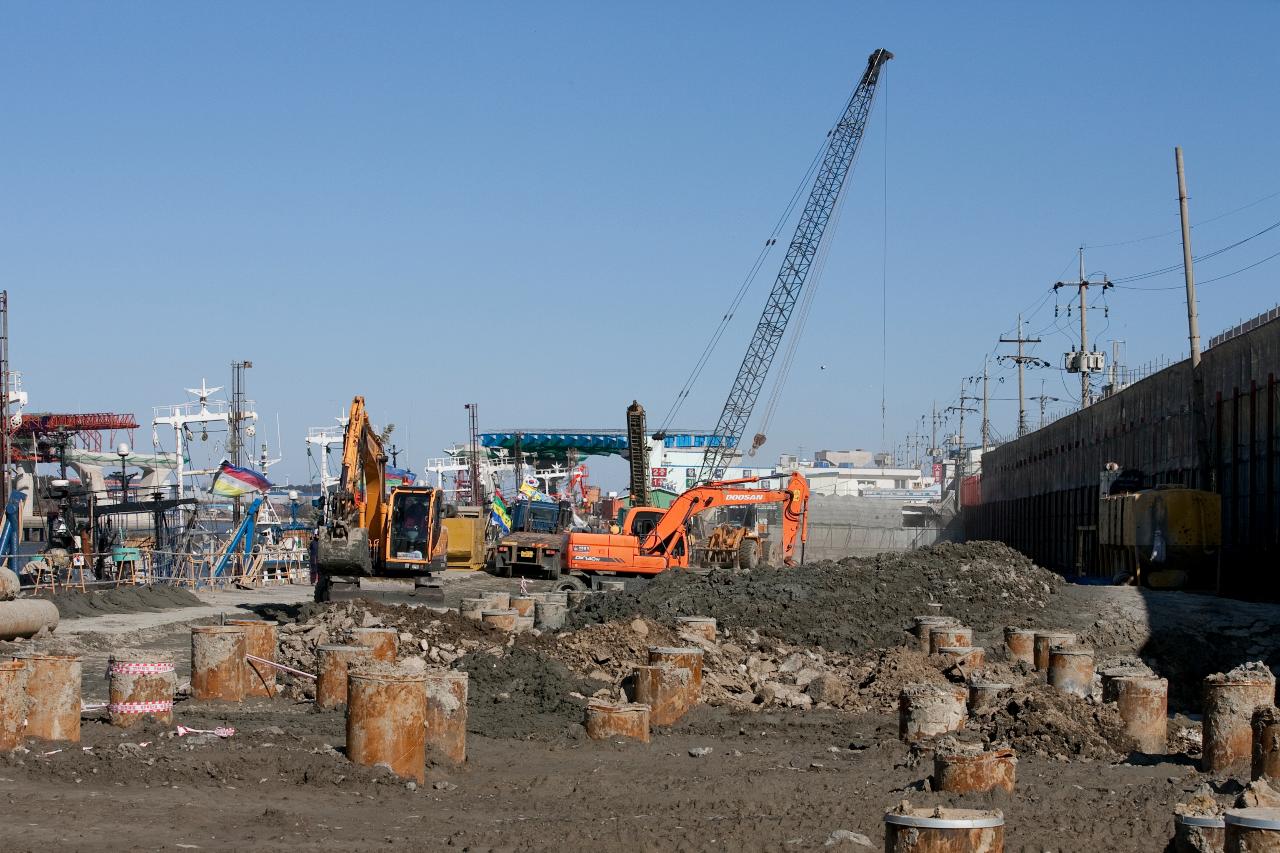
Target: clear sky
x,y
545,208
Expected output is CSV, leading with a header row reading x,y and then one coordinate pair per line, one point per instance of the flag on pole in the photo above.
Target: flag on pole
x,y
499,515
232,481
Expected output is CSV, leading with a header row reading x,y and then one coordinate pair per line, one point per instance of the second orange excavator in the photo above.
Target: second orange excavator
x,y
653,540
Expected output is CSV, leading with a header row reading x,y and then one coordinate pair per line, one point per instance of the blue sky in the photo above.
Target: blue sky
x,y
546,208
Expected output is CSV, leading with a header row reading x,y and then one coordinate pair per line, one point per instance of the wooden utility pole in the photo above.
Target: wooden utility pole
x,y
1021,359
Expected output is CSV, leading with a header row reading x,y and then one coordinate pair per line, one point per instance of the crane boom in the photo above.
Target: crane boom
x,y
837,161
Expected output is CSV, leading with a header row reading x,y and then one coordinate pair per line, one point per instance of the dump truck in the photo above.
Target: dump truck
x,y
534,545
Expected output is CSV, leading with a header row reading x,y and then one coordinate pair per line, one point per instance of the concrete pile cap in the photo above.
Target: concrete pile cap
x,y
140,656
1254,672
616,707
1070,650
671,650
216,629
919,691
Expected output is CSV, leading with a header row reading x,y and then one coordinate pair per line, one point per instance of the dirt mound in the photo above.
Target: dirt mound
x,y
610,651
521,694
123,599
890,670
853,605
1042,721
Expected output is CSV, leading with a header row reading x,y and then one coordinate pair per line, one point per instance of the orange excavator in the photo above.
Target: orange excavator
x,y
652,540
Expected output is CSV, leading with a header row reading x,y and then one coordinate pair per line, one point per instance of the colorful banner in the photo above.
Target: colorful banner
x,y
499,516
232,481
400,477
531,491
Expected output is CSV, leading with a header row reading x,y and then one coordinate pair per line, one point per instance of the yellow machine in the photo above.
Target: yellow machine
x,y
1166,537
375,544
467,547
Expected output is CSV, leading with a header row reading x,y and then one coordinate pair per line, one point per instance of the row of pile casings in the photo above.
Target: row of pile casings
x,y
518,613
393,712
661,692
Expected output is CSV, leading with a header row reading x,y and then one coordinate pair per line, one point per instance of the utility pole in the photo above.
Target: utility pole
x,y
1020,359
1199,427
933,442
960,451
1188,270
1043,398
986,422
1085,362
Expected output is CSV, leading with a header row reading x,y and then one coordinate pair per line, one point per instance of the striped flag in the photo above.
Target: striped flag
x,y
499,515
232,481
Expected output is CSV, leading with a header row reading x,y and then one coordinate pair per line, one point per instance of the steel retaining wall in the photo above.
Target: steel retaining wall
x,y
1040,492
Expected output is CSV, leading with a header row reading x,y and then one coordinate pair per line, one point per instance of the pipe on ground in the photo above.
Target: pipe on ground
x,y
25,617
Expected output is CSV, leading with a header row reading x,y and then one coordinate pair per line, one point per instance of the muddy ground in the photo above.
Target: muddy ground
x,y
785,771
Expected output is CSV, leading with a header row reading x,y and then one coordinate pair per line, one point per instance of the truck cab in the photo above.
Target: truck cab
x,y
535,543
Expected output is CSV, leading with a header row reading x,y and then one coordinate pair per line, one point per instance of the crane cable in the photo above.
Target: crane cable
x,y
743,289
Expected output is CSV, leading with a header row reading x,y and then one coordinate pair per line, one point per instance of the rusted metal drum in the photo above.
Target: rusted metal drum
x,y
666,690
967,658
447,714
928,710
503,620
1071,670
259,641
974,770
333,663
949,636
13,703
387,719
1021,644
686,658
471,608
499,601
1113,673
1255,830
217,662
385,642
1230,701
53,697
1266,744
1044,640
986,694
607,720
523,605
1143,701
141,687
1199,833
549,615
943,830
922,625
702,627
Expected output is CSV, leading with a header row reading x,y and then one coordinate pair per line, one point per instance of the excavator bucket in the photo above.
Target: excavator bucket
x,y
343,551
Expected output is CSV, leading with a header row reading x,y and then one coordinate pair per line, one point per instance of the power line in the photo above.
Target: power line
x,y
1175,230
1207,280
1197,259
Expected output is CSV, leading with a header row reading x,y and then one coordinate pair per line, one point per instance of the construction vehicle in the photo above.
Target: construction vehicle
x,y
374,542
653,540
803,254
536,539
1164,537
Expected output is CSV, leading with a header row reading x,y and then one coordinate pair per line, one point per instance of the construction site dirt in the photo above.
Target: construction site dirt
x,y
795,745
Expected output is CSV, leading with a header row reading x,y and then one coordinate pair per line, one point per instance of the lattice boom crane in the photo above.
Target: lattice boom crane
x,y
837,162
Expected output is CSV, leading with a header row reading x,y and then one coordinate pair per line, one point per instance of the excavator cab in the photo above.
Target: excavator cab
x,y
416,514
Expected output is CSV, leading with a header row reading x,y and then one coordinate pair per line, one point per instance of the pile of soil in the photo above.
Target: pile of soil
x,y
124,599
851,605
523,695
1042,721
890,670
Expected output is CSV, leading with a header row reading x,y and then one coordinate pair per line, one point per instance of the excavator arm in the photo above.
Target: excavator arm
x,y
795,516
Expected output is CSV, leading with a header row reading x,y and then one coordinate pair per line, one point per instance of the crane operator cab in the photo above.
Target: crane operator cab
x,y
415,528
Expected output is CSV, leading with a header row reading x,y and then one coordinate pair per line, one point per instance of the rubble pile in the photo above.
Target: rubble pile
x,y
1038,720
848,606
